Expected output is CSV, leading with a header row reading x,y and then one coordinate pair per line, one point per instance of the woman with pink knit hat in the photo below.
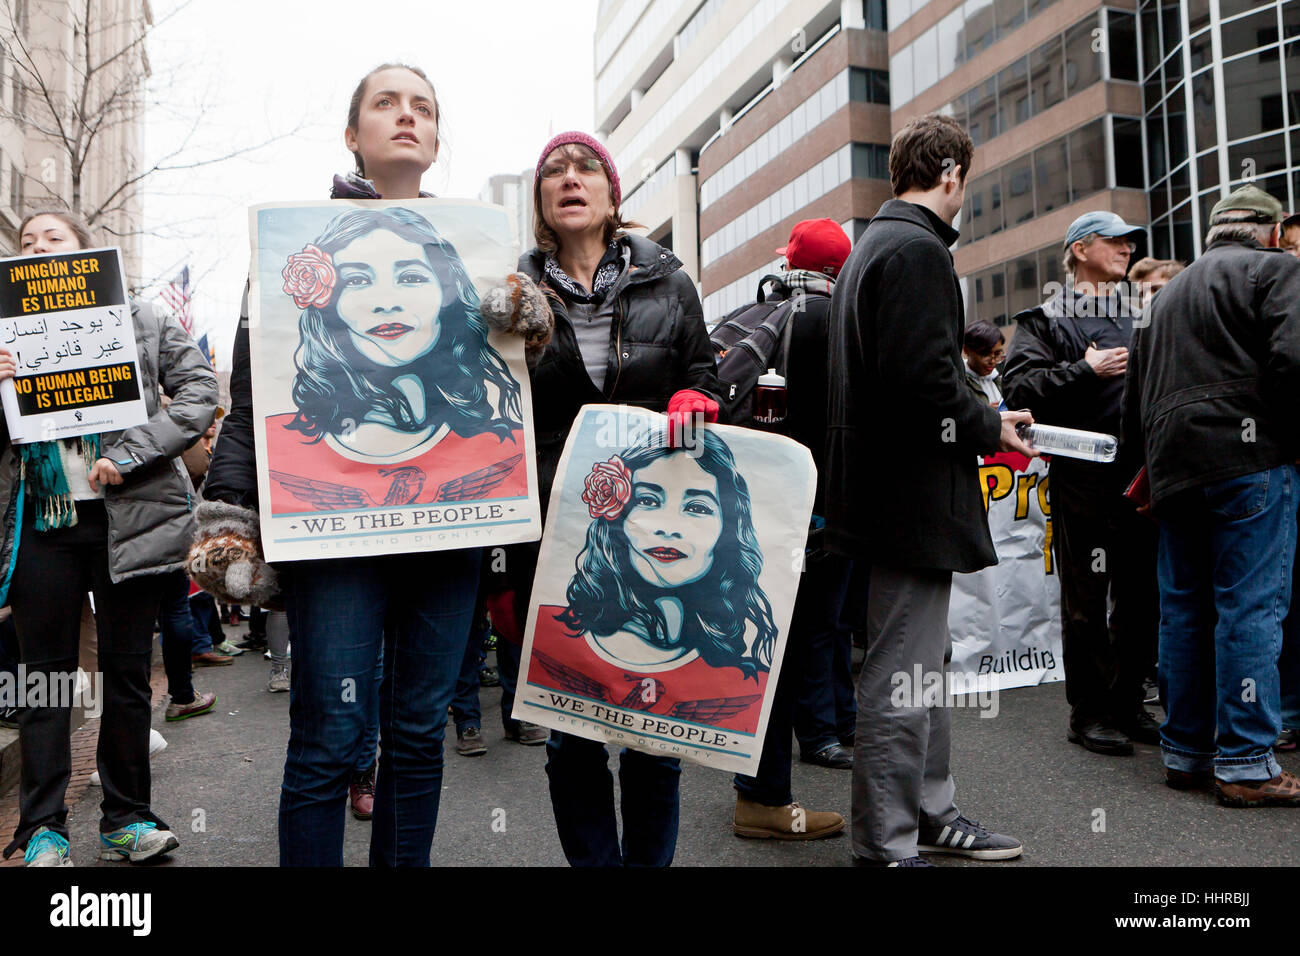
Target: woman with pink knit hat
x,y
629,329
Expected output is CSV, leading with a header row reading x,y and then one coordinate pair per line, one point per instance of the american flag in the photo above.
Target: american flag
x,y
177,294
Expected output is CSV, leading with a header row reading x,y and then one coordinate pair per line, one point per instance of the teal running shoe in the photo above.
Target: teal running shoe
x,y
136,842
47,848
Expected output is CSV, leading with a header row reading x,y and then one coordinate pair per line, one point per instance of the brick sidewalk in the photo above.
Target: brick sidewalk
x,y
84,741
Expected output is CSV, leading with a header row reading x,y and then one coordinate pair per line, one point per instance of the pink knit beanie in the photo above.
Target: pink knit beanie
x,y
573,136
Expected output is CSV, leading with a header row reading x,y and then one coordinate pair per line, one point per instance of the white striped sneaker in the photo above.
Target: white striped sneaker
x,y
964,837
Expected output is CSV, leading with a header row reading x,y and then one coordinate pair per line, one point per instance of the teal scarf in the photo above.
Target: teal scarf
x,y
42,471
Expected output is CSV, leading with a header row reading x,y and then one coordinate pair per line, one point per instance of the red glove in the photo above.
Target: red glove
x,y
682,408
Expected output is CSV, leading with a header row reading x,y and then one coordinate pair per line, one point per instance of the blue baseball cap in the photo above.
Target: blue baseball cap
x,y
1100,221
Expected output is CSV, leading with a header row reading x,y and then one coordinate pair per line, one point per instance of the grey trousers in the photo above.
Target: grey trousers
x,y
900,753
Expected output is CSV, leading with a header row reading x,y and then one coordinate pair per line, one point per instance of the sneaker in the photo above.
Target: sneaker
x,y
791,822
1188,779
963,837
489,677
157,743
9,717
278,682
136,842
908,861
1150,691
1282,791
469,742
47,848
361,794
1287,742
528,734
201,704
230,650
254,642
212,659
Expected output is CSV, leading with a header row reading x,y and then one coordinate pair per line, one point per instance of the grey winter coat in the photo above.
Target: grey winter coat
x,y
150,515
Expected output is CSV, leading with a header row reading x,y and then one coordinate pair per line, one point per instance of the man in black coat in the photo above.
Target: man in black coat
x,y
902,493
1066,365
1214,384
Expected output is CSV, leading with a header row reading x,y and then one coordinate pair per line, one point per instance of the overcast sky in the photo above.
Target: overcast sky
x,y
506,72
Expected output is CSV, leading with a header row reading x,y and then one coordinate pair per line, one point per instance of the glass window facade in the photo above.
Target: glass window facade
x,y
1060,172
1258,93
974,26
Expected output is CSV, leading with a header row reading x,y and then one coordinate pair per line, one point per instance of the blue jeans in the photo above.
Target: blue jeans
x,y
416,610
1226,556
508,655
207,622
813,628
582,796
466,710
1289,664
178,636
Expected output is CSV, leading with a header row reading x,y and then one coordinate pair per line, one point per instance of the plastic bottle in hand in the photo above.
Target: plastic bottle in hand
x,y
1069,442
769,401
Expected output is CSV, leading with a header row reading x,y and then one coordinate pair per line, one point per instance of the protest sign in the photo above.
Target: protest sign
x,y
66,320
665,587
387,418
1005,620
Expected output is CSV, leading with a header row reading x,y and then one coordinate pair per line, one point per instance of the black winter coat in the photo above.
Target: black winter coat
x,y
904,428
1214,379
658,346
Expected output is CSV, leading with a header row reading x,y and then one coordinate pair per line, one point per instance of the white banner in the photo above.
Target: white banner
x,y
1006,620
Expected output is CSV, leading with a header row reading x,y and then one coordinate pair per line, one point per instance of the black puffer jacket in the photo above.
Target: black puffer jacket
x,y
1214,379
658,346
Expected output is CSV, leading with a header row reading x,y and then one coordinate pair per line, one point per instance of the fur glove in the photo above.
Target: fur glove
x,y
226,557
517,306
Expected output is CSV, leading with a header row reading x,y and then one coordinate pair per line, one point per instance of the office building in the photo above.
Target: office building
x,y
35,169
731,120
1152,110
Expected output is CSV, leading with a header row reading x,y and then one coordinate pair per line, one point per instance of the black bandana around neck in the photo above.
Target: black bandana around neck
x,y
607,273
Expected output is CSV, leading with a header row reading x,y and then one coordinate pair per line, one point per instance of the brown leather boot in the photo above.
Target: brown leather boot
x,y
1282,791
791,822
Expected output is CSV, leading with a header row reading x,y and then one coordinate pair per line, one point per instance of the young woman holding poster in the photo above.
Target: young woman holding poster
x,y
629,329
413,610
109,514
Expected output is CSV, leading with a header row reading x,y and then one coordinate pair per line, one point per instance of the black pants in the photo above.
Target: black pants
x,y
54,571
1110,601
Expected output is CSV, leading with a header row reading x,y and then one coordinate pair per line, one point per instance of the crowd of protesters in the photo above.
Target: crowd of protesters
x,y
1176,561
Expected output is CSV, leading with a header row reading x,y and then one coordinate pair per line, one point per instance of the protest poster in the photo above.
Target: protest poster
x,y
388,419
66,320
665,587
1005,620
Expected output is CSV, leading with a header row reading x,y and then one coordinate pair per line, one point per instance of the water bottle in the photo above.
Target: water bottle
x,y
769,401
1069,442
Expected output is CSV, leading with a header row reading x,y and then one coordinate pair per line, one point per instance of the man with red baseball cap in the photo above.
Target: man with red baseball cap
x,y
817,245
814,696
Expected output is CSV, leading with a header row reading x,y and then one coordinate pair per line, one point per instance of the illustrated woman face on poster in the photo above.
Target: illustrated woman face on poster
x,y
671,564
392,352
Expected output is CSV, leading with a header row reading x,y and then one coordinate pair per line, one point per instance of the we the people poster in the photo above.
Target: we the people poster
x,y
665,586
388,418
1005,620
66,320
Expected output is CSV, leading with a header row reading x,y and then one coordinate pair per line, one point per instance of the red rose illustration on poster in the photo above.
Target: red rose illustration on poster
x,y
309,277
608,489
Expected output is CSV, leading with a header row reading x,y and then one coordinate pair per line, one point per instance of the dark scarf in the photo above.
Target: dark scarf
x,y
352,186
607,273
42,470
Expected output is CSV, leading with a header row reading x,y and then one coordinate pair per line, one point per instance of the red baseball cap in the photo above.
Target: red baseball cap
x,y
818,245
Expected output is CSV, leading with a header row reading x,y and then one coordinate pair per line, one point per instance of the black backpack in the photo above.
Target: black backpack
x,y
748,341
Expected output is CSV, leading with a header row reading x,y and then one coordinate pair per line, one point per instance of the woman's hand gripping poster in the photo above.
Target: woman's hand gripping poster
x,y
665,586
389,418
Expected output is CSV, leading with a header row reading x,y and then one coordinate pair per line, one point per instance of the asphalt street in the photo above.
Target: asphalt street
x,y
217,785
